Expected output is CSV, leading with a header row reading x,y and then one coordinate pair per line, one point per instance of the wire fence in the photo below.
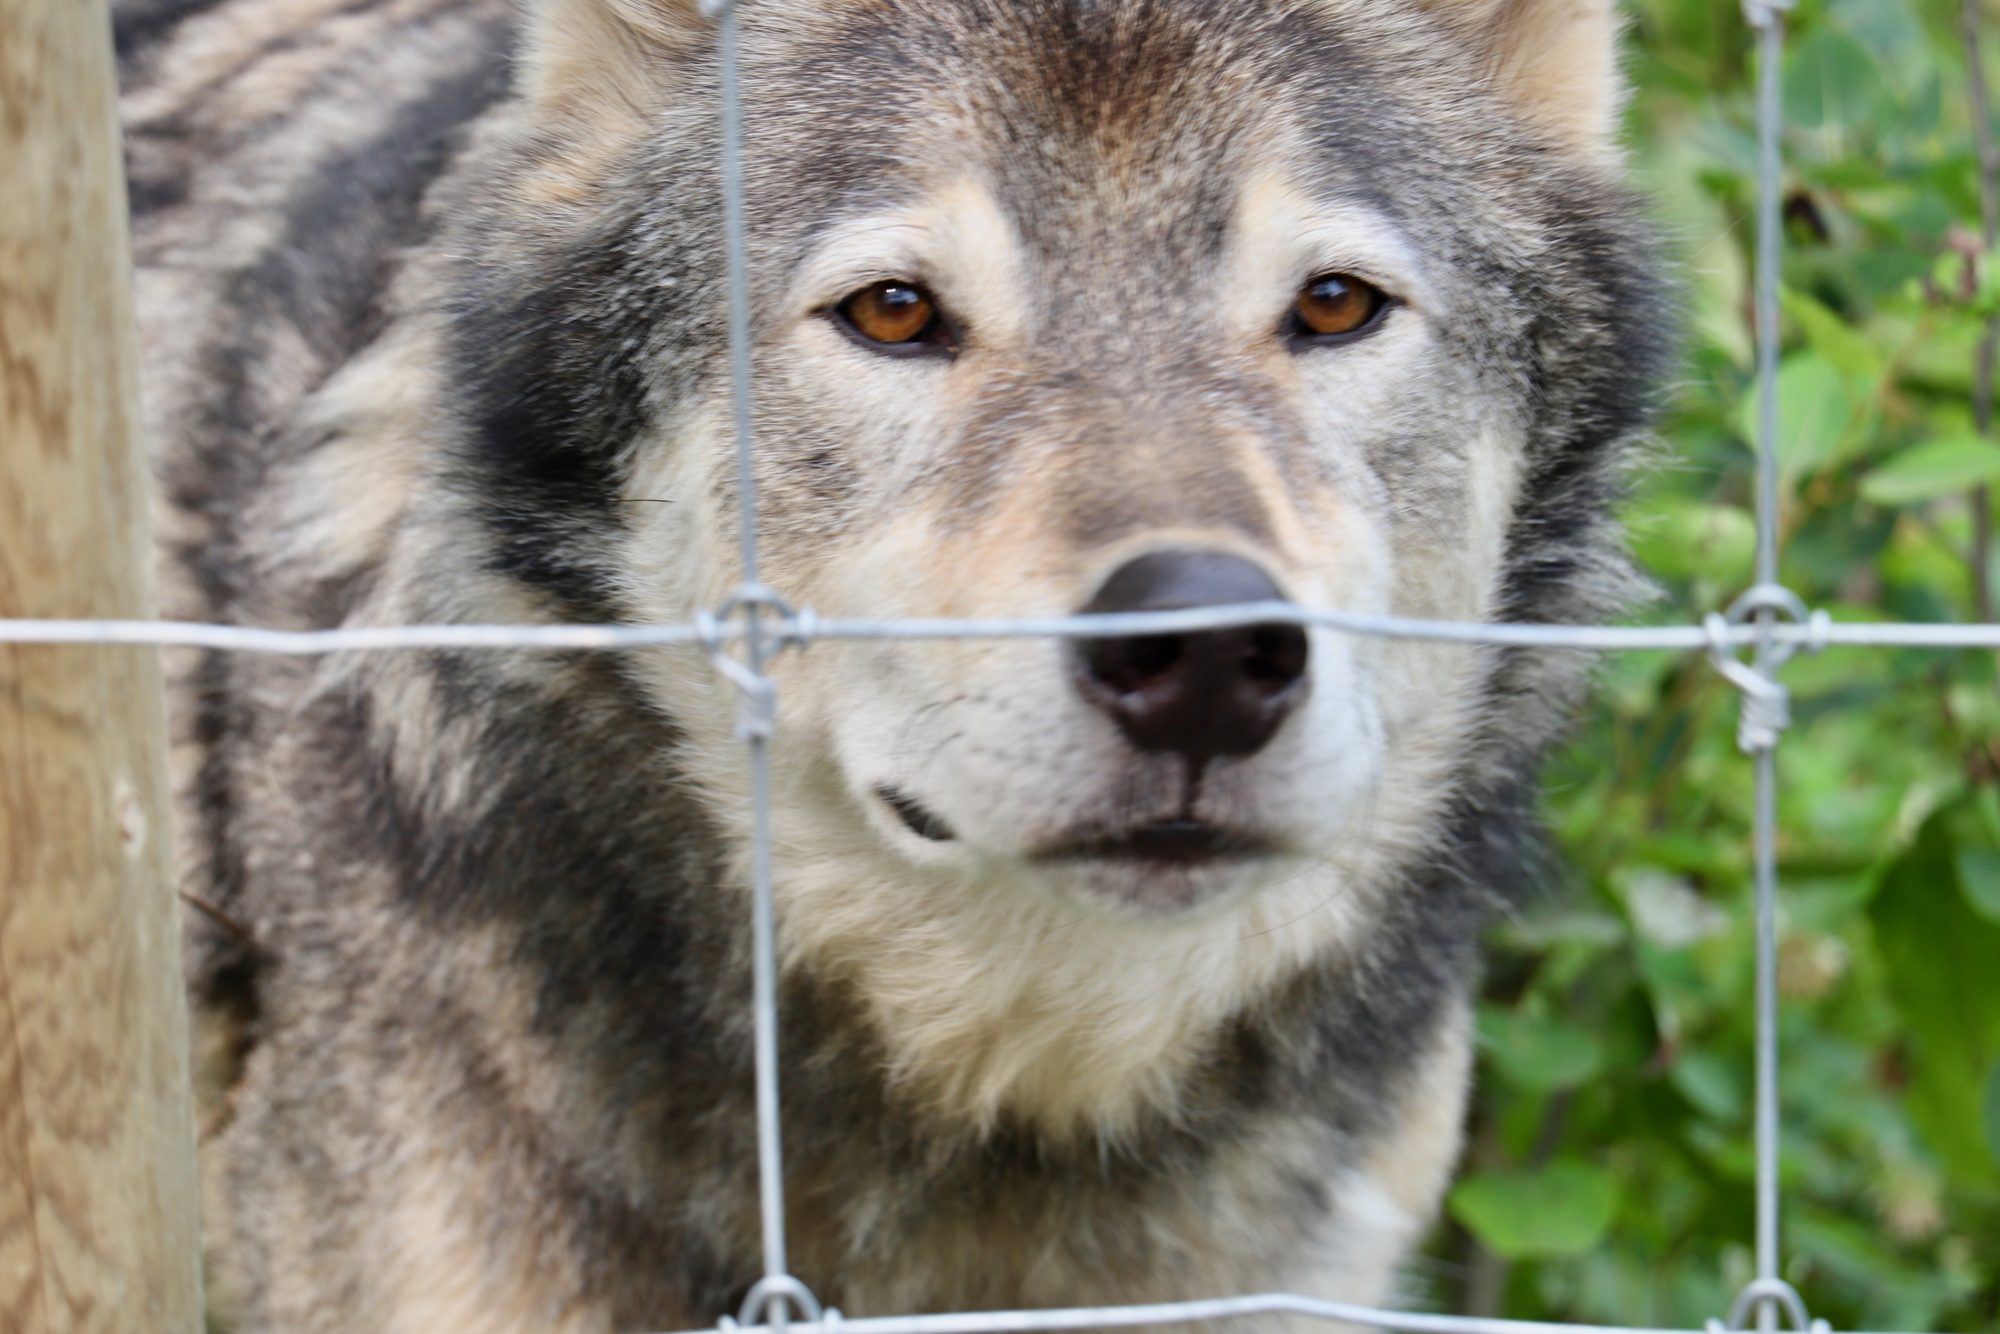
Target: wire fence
x,y
1768,621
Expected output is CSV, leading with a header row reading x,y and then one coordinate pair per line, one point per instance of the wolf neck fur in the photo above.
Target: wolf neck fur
x,y
996,1000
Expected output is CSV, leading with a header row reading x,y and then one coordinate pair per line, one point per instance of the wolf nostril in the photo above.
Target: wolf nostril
x,y
1205,693
1277,654
1127,664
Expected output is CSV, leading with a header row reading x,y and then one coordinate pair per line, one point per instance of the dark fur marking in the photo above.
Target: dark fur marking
x,y
278,45
344,239
366,211
554,386
216,714
323,279
148,192
1605,396
156,174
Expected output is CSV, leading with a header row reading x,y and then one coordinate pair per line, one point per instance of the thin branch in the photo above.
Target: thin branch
x,y
242,933
1989,220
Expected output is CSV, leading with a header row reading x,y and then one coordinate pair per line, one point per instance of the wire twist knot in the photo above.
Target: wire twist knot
x,y
772,1301
1765,1292
1767,704
757,714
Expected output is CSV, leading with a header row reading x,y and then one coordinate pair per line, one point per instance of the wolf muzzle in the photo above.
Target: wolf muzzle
x,y
1203,694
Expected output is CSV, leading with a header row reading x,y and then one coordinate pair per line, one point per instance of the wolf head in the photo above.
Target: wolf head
x,y
1064,306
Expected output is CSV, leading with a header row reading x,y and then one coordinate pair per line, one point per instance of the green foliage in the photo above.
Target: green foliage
x,y
1609,1167
1943,969
1563,1208
1933,469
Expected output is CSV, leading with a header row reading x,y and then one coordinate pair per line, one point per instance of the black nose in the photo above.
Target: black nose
x,y
1207,693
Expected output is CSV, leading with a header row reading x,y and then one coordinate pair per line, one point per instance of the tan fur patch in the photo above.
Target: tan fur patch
x,y
440,1271
1557,60
597,61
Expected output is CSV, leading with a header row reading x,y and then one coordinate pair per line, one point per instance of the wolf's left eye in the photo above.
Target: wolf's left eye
x,y
1336,307
893,316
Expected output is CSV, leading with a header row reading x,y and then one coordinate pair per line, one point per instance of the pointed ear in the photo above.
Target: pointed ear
x,y
1555,60
602,56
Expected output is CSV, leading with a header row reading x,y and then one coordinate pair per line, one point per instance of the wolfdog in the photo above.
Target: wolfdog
x,y
1112,970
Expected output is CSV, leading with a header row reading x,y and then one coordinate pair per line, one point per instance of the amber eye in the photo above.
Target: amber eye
x,y
897,315
1337,305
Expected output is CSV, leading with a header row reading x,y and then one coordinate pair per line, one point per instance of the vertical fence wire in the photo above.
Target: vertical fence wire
x,y
1767,1032
758,704
1768,21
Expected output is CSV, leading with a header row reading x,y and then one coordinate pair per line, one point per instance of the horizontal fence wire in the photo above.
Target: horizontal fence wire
x,y
1214,1311
804,628
1767,622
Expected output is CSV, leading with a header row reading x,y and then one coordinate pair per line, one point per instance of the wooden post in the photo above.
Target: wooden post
x,y
98,1211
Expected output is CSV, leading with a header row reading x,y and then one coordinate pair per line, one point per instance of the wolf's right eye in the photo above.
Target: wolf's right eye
x,y
895,317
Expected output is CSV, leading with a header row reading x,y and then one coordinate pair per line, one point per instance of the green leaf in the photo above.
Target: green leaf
x,y
1943,972
1979,878
1537,1052
1935,468
1682,539
1831,82
1709,1082
1562,1209
1815,407
1846,347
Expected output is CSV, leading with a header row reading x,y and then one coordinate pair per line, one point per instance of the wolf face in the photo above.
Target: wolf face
x,y
1113,969
1035,289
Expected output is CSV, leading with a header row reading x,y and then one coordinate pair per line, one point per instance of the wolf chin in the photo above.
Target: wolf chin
x,y
1112,970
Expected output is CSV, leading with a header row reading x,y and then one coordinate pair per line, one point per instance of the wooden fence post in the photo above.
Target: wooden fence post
x,y
98,1210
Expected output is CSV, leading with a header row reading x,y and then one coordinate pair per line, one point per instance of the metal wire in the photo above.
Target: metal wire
x,y
1764,716
1767,1027
804,627
374,639
1768,622
759,702
1215,1310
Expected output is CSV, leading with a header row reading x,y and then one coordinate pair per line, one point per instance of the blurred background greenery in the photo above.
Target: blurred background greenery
x,y
1608,1176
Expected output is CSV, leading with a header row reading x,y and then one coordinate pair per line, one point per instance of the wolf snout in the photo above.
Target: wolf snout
x,y
1201,694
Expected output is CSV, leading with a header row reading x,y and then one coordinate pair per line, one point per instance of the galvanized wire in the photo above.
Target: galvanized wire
x,y
1767,1146
804,628
759,703
1047,1321
1766,710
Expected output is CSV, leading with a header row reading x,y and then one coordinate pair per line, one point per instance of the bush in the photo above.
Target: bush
x,y
1608,1176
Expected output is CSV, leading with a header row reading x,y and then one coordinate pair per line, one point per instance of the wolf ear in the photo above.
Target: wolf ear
x,y
1556,60
601,55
